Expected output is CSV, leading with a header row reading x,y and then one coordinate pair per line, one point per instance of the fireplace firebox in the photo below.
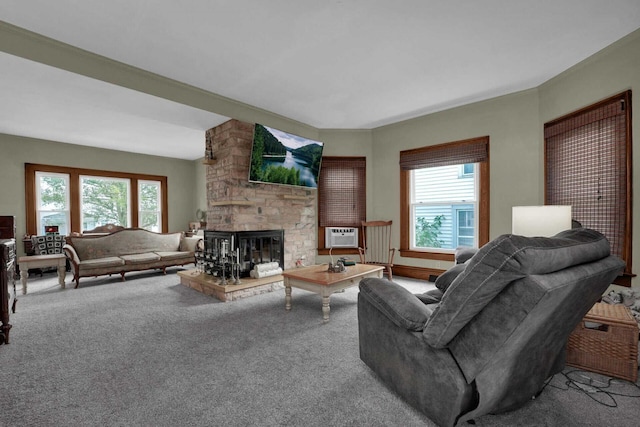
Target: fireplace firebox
x,y
231,255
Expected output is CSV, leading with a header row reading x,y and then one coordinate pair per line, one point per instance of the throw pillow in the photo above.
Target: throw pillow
x,y
47,245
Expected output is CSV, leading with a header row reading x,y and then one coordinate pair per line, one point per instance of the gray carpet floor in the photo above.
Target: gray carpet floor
x,y
151,352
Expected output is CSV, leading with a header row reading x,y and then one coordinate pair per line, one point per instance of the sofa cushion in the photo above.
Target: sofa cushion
x,y
174,255
445,279
500,262
140,258
113,261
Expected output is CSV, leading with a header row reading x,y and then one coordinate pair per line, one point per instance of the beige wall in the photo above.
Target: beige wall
x,y
16,151
512,126
613,70
200,187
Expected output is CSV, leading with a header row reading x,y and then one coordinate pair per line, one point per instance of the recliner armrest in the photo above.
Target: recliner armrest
x,y
398,304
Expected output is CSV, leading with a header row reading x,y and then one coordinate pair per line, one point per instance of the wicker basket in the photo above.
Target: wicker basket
x,y
611,348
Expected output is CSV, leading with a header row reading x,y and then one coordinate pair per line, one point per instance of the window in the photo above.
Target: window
x,y
466,226
80,199
104,201
341,194
52,205
444,198
588,166
149,205
467,170
441,200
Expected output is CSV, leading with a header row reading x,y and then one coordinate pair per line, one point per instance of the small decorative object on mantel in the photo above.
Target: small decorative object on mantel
x,y
209,158
202,217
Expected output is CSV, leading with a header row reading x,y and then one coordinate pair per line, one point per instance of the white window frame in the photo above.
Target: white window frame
x,y
416,204
39,208
158,212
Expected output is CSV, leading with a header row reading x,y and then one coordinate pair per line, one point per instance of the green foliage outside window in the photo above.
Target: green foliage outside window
x,y
105,201
149,202
427,232
53,192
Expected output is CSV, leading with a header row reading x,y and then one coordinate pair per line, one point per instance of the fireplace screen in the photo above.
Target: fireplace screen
x,y
232,255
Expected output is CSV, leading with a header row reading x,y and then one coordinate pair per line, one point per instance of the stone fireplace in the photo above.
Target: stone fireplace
x,y
238,253
235,204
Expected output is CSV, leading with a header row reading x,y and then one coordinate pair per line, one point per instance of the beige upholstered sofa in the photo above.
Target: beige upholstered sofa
x,y
131,249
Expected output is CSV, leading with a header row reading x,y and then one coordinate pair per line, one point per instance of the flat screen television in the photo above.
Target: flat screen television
x,y
279,157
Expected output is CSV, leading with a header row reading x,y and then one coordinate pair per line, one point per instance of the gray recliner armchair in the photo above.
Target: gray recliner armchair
x,y
494,331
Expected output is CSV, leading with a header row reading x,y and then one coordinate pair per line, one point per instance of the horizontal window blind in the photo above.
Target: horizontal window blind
x,y
474,150
342,192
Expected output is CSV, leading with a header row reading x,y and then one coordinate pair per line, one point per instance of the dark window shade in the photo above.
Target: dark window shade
x,y
468,151
587,158
342,192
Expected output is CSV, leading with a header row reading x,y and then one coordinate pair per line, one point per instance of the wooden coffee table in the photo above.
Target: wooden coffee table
x,y
318,279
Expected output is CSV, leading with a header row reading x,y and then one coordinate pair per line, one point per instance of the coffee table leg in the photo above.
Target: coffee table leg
x,y
287,297
24,273
61,273
325,308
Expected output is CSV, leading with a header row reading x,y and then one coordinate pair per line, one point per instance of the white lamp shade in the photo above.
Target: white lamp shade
x,y
540,221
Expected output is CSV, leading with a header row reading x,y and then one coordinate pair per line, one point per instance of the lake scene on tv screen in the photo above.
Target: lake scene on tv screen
x,y
279,157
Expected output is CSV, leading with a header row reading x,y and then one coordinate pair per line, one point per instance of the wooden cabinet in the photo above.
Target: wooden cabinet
x,y
7,227
7,271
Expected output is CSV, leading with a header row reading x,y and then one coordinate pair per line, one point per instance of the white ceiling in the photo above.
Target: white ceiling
x,y
355,64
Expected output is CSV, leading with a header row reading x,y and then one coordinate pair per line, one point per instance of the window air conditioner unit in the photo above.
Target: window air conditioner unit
x,y
341,237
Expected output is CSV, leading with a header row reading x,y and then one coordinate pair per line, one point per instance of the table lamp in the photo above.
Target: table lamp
x,y
540,221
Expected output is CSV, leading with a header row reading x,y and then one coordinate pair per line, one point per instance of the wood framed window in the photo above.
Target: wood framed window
x,y
444,198
342,196
75,199
588,166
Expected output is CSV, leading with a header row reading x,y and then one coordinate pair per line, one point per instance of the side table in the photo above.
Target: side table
x,y
40,261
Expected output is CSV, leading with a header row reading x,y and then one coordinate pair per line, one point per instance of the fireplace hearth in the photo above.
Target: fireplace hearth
x,y
231,256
